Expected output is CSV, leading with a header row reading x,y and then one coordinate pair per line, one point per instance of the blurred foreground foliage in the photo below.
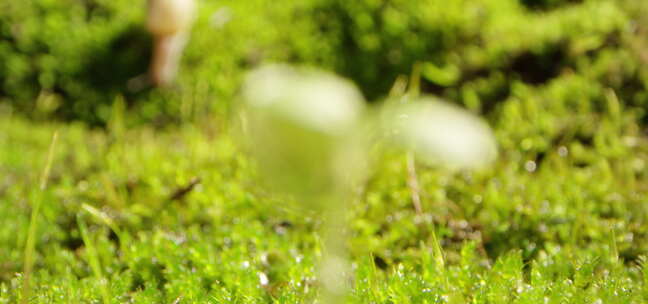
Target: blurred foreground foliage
x,y
73,59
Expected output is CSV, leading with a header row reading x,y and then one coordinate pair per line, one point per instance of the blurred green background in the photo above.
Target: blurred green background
x,y
72,59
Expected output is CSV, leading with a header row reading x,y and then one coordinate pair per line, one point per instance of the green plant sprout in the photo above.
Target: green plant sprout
x,y
307,130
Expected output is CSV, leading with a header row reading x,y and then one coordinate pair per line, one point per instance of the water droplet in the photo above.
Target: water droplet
x,y
263,279
563,151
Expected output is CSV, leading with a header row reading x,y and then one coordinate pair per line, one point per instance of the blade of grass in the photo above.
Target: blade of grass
x,y
124,239
33,224
414,91
413,184
613,244
399,87
93,259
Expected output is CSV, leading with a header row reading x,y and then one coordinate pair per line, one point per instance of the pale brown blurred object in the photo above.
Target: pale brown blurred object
x,y
169,21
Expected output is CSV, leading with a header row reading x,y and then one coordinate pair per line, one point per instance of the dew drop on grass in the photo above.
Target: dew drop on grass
x,y
519,289
563,151
542,228
263,279
530,166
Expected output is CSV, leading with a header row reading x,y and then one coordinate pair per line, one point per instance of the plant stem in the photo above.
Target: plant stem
x,y
334,265
413,184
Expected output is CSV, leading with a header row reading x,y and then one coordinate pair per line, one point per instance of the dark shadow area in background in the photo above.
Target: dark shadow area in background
x,y
107,74
126,57
547,4
538,68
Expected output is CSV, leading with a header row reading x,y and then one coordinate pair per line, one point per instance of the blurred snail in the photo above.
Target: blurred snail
x,y
169,21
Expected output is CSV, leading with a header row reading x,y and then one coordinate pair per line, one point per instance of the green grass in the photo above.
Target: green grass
x,y
172,212
55,54
177,215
